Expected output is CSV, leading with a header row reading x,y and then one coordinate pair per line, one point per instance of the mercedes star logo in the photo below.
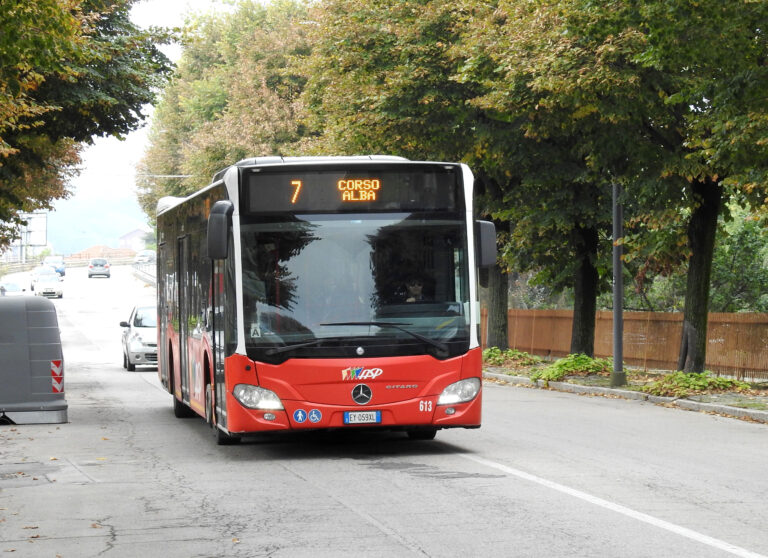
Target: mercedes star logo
x,y
361,394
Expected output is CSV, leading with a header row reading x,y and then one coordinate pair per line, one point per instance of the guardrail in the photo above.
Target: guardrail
x,y
6,268
146,272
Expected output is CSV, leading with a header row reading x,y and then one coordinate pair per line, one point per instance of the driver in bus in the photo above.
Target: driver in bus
x,y
414,288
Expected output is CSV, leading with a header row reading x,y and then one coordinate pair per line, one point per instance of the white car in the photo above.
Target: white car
x,y
48,284
140,337
145,256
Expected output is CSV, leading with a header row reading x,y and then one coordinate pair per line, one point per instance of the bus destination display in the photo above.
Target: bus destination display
x,y
353,190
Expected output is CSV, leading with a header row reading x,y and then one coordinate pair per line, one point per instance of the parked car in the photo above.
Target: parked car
x,y
9,288
145,256
98,266
49,284
140,337
56,262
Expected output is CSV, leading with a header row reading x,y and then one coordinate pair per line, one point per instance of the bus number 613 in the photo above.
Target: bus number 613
x,y
425,406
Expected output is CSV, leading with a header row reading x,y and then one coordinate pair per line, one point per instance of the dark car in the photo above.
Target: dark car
x,y
56,262
98,266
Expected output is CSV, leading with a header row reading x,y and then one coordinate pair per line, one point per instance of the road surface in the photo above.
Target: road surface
x,y
548,474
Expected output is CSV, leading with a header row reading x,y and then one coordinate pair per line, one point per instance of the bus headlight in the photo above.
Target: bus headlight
x,y
255,397
460,392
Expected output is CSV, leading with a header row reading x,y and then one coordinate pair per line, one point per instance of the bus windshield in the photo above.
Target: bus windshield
x,y
374,284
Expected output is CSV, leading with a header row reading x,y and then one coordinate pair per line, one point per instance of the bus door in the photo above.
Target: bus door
x,y
219,341
182,272
163,308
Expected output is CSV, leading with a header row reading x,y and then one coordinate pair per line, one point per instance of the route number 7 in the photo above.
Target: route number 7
x,y
296,184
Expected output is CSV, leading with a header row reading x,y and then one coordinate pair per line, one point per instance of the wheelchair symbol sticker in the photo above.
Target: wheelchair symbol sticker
x,y
315,416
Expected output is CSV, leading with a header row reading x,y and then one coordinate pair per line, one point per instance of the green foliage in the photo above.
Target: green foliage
x,y
494,356
590,83
236,94
69,70
739,272
741,244
681,384
37,39
572,365
381,80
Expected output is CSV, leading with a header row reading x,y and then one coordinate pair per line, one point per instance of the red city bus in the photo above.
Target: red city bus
x,y
323,293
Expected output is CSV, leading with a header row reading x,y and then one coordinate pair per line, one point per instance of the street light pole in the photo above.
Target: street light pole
x,y
618,377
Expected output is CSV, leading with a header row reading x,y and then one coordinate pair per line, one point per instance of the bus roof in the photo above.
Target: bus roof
x,y
279,160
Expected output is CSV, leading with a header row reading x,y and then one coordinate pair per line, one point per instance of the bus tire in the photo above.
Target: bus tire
x,y
209,405
180,410
422,433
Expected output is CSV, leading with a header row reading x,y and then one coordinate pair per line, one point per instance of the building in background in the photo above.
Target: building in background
x,y
135,240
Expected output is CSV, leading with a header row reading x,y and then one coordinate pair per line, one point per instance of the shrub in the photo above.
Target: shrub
x,y
682,384
511,357
573,365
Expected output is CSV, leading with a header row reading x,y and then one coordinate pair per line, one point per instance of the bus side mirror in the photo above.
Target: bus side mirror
x,y
219,225
485,239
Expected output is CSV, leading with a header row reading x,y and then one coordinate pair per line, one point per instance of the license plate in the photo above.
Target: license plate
x,y
362,417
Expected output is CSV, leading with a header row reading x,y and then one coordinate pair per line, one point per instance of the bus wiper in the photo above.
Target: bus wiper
x,y
437,344
286,348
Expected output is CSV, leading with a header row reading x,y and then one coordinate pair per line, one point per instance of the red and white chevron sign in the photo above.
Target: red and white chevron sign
x,y
57,376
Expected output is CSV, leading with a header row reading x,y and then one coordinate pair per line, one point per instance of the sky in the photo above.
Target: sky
x,y
103,206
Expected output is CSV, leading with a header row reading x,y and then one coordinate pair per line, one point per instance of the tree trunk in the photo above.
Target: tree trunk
x,y
585,292
701,240
498,288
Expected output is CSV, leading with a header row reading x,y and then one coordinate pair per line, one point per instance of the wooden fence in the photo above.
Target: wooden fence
x,y
737,343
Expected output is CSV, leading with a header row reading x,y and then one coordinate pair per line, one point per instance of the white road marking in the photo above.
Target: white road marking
x,y
618,508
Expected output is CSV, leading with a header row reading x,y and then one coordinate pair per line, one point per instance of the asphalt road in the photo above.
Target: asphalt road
x,y
548,474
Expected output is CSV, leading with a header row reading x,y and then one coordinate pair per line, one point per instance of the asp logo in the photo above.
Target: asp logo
x,y
360,373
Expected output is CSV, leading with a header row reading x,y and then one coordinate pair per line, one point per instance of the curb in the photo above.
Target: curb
x,y
686,404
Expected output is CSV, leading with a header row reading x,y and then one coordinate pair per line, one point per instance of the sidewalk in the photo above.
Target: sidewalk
x,y
727,404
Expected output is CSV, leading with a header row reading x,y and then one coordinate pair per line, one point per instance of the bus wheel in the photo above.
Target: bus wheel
x,y
209,405
422,433
180,410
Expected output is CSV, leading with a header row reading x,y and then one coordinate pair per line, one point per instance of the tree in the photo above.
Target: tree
x,y
236,94
36,40
655,97
559,200
77,70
